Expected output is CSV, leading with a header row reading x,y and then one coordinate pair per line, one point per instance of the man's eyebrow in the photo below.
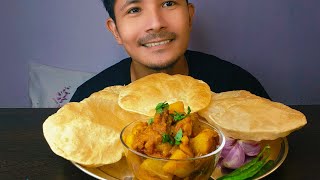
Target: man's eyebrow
x,y
128,2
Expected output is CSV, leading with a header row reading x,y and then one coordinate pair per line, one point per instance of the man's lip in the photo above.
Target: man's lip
x,y
158,41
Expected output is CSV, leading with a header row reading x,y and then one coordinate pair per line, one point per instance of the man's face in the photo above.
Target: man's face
x,y
155,33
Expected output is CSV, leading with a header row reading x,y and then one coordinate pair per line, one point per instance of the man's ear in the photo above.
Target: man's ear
x,y
191,13
112,27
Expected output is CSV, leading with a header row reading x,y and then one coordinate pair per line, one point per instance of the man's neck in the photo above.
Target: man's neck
x,y
138,70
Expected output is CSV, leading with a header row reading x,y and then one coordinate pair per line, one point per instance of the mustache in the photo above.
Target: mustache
x,y
152,36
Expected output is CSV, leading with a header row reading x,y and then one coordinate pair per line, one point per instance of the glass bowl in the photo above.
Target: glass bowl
x,y
145,167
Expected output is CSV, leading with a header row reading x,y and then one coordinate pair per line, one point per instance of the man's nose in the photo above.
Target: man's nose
x,y
156,21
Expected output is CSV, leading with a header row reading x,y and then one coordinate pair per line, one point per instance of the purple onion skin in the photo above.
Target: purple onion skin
x,y
227,147
250,148
235,157
235,153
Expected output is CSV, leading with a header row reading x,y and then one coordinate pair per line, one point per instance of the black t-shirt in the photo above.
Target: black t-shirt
x,y
220,75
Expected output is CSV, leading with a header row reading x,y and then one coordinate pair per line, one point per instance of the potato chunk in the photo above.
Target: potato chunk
x,y
176,107
204,142
152,169
179,168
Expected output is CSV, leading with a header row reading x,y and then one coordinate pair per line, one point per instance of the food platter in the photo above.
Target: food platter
x,y
120,170
81,133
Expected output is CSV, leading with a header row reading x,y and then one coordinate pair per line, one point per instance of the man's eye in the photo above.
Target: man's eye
x,y
168,4
134,10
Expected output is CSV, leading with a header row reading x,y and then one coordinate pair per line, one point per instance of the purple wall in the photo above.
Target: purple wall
x,y
274,40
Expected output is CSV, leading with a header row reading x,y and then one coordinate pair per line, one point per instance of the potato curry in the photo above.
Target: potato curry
x,y
173,133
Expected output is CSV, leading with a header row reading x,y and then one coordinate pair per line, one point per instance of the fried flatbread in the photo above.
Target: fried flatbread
x,y
242,115
144,94
88,132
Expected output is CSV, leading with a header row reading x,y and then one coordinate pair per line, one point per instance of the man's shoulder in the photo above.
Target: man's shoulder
x,y
192,53
206,62
222,75
115,72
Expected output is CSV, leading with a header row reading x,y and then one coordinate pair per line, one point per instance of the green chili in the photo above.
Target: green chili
x,y
265,168
249,169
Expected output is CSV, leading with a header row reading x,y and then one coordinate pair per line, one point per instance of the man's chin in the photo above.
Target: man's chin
x,y
162,66
160,61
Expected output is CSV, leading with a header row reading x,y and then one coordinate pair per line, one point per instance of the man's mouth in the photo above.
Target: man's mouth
x,y
157,43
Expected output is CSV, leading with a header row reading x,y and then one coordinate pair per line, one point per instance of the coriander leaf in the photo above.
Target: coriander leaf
x,y
178,116
165,138
161,106
171,141
177,142
178,137
189,110
150,121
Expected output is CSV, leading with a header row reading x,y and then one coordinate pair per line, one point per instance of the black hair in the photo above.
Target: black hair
x,y
109,5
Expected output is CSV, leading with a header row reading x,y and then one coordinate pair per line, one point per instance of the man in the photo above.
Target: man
x,y
155,34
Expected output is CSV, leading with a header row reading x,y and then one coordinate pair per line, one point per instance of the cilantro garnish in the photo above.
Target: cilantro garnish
x,y
189,110
161,106
178,137
179,116
150,121
166,138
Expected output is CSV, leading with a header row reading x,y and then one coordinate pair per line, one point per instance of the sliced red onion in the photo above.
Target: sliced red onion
x,y
229,142
250,148
235,157
227,147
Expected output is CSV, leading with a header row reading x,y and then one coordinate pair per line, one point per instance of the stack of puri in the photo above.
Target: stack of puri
x,y
88,132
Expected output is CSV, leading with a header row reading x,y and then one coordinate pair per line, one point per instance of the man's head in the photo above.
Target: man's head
x,y
155,33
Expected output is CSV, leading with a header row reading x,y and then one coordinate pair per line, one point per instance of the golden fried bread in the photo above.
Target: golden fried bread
x,y
88,132
144,94
242,115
